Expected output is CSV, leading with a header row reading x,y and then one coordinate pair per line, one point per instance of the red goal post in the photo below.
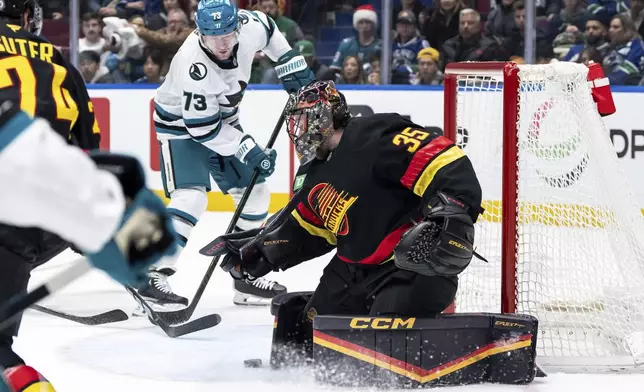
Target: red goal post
x,y
508,71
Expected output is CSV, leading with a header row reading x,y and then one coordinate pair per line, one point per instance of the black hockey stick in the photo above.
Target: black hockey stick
x,y
11,309
180,316
111,316
174,331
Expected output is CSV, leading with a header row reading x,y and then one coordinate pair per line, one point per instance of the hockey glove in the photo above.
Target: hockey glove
x,y
256,158
442,244
254,253
247,266
146,233
293,71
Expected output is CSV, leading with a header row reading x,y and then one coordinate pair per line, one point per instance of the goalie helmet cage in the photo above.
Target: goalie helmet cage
x,y
562,230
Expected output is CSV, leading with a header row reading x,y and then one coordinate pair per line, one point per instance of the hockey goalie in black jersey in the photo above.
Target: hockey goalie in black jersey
x,y
398,204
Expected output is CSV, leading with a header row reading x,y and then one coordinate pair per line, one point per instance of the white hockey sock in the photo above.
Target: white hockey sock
x,y
256,209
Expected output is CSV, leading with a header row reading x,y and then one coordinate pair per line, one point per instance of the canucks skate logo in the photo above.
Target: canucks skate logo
x,y
332,207
198,71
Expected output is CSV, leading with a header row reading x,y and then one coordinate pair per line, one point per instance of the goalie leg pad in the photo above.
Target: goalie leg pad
x,y
292,334
393,352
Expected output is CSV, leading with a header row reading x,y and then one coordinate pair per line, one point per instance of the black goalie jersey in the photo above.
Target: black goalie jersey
x,y
35,74
366,195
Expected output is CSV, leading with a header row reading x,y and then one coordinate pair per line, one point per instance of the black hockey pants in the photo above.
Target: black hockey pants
x,y
14,277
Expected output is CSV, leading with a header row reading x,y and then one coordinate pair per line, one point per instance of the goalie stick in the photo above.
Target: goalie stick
x,y
111,316
183,315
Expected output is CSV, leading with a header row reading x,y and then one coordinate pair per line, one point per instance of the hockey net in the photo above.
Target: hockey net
x,y
562,230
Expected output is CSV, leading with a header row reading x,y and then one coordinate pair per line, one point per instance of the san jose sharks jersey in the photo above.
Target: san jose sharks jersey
x,y
200,96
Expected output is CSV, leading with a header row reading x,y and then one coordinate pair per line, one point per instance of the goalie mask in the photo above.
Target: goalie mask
x,y
313,115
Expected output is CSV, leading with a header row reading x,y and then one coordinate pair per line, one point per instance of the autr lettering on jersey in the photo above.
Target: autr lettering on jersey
x,y
381,323
32,49
332,206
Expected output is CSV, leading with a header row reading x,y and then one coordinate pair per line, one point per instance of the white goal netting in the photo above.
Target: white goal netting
x,y
579,235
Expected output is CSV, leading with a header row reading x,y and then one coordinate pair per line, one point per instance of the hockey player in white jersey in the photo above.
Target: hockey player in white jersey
x,y
197,125
96,201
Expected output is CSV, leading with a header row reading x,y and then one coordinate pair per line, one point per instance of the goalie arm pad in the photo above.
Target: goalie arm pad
x,y
285,243
442,244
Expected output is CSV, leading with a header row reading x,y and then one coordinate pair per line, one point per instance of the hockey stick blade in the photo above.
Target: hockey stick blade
x,y
174,331
205,322
111,316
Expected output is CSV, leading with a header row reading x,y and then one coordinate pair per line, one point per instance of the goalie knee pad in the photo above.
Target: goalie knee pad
x,y
292,331
395,352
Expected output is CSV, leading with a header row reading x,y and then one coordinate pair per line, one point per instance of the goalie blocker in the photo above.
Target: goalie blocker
x,y
410,352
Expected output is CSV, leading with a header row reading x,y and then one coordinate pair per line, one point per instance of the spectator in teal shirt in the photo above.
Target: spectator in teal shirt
x,y
365,43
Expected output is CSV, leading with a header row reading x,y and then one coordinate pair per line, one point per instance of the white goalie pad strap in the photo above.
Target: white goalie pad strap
x,y
295,64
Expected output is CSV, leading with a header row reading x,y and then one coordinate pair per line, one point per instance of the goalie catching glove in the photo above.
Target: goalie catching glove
x,y
442,244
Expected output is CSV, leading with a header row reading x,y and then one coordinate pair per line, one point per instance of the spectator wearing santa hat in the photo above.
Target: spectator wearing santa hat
x,y
363,44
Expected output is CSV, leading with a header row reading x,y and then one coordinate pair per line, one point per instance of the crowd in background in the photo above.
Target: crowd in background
x,y
133,41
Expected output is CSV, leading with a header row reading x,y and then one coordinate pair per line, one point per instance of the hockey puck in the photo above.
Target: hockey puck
x,y
253,363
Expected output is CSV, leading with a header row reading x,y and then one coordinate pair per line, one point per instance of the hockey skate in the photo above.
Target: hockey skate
x,y
158,293
258,292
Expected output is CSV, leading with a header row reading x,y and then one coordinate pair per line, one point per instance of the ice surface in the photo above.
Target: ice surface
x,y
136,356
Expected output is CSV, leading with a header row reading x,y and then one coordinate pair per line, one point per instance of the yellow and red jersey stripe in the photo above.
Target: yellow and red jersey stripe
x,y
427,162
312,224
